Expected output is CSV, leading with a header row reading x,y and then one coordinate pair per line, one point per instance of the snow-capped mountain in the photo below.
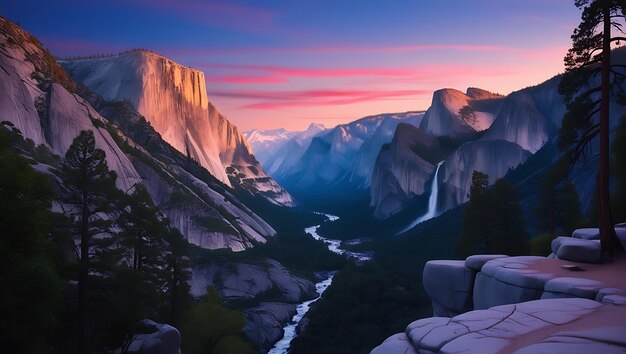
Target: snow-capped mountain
x,y
266,143
344,154
48,107
173,98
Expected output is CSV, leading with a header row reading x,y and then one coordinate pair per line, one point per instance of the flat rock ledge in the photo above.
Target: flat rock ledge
x,y
501,304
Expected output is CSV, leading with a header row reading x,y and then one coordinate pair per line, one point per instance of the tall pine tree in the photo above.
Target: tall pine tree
x,y
588,102
91,198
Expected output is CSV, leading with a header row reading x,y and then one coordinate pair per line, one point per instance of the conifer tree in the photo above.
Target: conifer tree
x,y
30,288
588,102
493,221
92,196
558,208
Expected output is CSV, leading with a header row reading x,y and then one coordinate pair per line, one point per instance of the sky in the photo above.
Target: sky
x,y
287,63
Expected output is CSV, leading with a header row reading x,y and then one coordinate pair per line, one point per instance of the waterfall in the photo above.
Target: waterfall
x,y
432,203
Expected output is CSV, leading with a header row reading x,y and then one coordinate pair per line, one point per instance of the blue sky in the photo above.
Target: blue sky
x,y
272,64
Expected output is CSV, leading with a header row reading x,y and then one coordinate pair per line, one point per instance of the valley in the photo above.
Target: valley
x,y
275,179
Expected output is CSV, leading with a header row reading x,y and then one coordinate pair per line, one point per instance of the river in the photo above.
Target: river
x,y
282,346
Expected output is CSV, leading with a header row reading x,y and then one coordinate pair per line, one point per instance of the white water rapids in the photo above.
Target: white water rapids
x,y
432,203
282,346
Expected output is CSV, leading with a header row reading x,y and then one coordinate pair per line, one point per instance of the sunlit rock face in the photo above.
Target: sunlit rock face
x,y
173,98
39,100
454,113
170,96
399,173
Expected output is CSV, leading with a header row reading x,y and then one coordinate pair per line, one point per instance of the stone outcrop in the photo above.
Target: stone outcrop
x,y
276,289
264,323
155,338
497,329
496,303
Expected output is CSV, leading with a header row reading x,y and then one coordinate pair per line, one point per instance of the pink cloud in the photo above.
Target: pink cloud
x,y
243,79
309,98
530,52
287,71
262,74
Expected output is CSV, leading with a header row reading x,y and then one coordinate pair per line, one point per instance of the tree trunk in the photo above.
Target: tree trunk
x,y
608,239
83,278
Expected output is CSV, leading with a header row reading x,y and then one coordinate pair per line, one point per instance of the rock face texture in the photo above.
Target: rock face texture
x,y
501,304
453,113
44,110
277,290
399,172
242,280
173,99
493,157
45,104
495,329
264,323
156,338
520,122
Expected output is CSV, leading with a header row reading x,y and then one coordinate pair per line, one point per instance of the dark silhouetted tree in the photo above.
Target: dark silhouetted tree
x,y
588,103
92,195
558,208
507,231
30,287
493,221
474,228
178,273
619,171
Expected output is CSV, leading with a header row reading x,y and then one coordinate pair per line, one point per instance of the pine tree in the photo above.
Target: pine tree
x,y
588,104
619,162
92,196
142,237
473,235
558,208
30,288
507,233
493,221
178,269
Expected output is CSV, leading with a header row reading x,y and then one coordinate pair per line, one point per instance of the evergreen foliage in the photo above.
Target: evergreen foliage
x,y
30,288
587,85
493,221
618,198
209,327
91,198
558,208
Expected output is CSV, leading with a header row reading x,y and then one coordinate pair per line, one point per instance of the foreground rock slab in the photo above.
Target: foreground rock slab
x,y
541,326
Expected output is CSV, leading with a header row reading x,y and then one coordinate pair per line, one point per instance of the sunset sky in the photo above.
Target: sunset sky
x,y
287,63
